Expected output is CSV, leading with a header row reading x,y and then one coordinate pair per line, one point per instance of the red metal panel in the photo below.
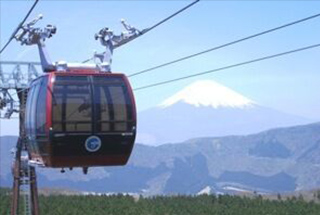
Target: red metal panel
x,y
80,161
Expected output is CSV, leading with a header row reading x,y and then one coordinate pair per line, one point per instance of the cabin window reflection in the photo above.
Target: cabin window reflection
x,y
72,111
33,109
28,113
31,116
41,107
57,108
120,113
112,105
103,109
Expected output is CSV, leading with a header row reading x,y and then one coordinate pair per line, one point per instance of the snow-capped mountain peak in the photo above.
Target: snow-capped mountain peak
x,y
208,93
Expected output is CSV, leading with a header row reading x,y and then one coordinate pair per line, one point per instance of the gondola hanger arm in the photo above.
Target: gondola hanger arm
x,y
29,35
111,41
142,32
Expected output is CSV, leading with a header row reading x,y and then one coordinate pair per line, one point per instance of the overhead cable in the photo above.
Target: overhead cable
x,y
229,67
19,26
169,17
143,32
226,44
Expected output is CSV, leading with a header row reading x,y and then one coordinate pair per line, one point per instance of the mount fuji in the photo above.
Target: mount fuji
x,y
207,109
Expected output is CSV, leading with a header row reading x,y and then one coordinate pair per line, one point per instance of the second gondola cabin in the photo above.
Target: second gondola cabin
x,y
80,119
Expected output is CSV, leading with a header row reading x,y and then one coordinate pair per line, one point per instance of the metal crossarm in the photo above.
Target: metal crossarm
x,y
14,76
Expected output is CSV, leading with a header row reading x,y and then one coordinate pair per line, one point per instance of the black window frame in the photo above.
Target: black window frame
x,y
65,82
106,83
98,84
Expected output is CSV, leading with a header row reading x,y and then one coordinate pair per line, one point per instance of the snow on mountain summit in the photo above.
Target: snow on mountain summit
x,y
208,93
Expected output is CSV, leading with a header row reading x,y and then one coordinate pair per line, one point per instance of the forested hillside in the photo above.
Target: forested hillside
x,y
169,205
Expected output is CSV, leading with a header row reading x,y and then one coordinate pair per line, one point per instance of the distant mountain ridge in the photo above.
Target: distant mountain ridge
x,y
204,109
277,160
181,122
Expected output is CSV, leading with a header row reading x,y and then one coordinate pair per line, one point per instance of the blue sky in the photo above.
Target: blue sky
x,y
290,83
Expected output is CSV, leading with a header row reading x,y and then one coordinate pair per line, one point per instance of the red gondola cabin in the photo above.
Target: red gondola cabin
x,y
80,119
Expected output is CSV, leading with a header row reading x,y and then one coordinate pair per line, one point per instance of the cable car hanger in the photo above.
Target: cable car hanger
x,y
119,87
37,36
19,26
146,30
76,114
111,41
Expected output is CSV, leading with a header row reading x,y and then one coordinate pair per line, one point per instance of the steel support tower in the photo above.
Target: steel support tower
x,y
14,80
